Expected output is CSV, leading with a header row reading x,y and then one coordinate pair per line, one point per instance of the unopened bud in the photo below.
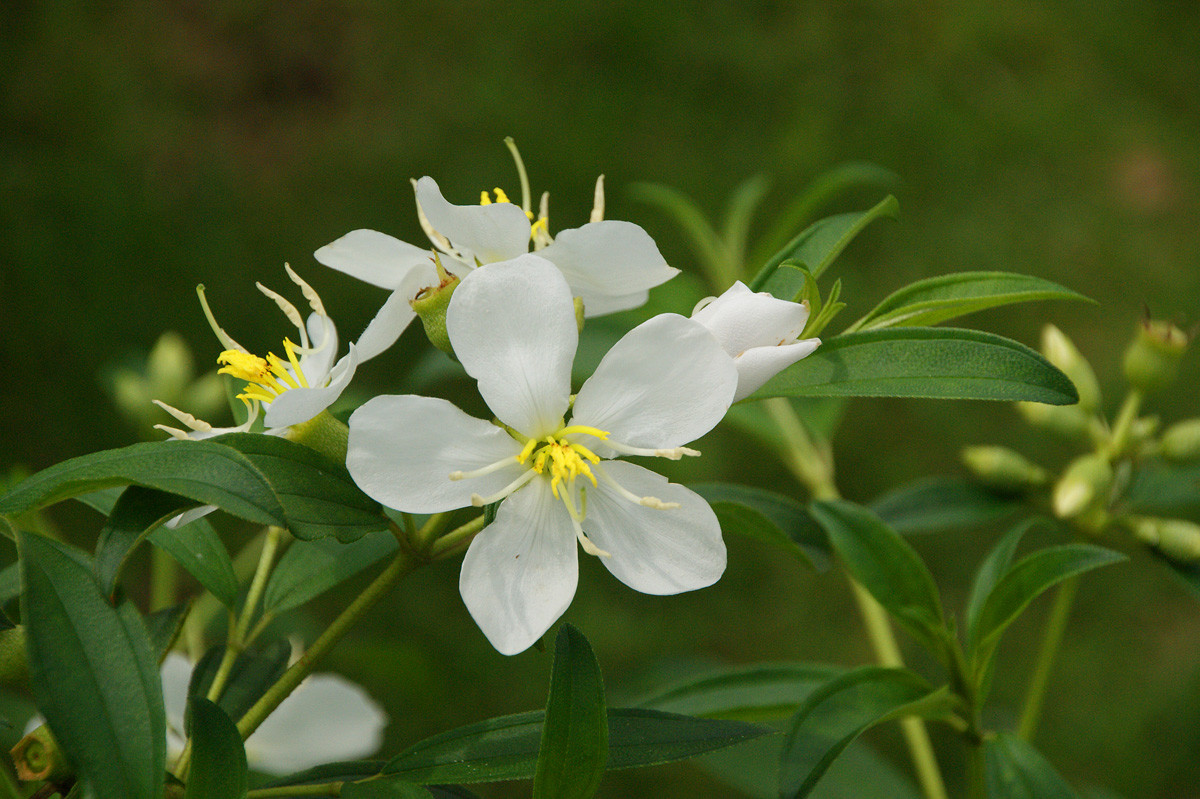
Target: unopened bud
x,y
431,304
1083,486
1176,538
1061,352
1068,421
1003,468
1152,359
1181,441
169,368
37,757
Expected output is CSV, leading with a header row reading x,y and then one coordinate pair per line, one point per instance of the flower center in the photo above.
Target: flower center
x,y
266,378
565,460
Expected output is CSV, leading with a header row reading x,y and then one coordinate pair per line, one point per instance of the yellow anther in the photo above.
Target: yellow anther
x,y
267,377
484,199
543,224
243,366
501,197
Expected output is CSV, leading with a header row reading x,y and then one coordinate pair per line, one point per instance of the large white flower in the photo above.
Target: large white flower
x,y
666,383
326,719
760,332
610,265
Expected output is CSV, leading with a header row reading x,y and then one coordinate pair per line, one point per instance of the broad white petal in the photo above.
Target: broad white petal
x,y
299,405
327,718
176,673
373,257
655,551
396,314
323,339
741,319
490,233
513,328
758,365
665,383
520,573
402,450
608,259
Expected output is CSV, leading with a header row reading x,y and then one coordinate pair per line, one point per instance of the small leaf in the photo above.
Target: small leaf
x,y
935,300
843,709
933,363
254,671
1015,770
574,745
993,567
138,511
768,517
94,673
505,748
759,692
198,549
816,248
887,567
163,627
218,757
309,568
934,504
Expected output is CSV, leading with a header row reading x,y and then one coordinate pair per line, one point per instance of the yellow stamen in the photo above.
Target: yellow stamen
x,y
501,197
268,377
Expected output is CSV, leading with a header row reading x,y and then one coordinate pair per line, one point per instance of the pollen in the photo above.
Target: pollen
x,y
267,377
561,458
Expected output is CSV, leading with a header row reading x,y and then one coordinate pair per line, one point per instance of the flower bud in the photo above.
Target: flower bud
x,y
1176,538
1068,421
1083,486
1152,359
430,305
1181,441
1003,468
169,368
1059,350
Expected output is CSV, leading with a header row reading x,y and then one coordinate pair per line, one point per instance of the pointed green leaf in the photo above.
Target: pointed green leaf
x,y
138,511
574,745
198,549
1015,770
254,671
742,206
767,517
887,566
94,673
505,748
163,626
759,692
993,567
816,248
345,771
310,568
934,504
933,363
937,299
843,709
218,757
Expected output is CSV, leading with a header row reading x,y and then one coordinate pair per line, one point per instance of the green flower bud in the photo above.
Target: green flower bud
x,y
1003,468
1059,350
325,433
1068,421
169,368
431,305
1181,442
1152,359
1084,486
1176,538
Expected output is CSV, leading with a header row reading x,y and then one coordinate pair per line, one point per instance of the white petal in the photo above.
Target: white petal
x,y
189,516
396,314
176,673
371,256
758,365
520,573
323,340
327,718
489,233
655,551
741,319
665,383
608,260
513,328
402,450
299,405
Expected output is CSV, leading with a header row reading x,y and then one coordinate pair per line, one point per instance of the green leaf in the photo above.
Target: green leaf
x,y
691,220
742,204
254,671
937,299
218,757
574,745
138,511
378,789
843,709
933,363
767,517
163,626
505,748
816,247
94,673
345,771
1015,770
759,692
309,568
934,504
1162,489
198,549
884,563
993,567
1023,583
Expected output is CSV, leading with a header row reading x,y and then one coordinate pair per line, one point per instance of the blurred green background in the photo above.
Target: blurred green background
x,y
146,147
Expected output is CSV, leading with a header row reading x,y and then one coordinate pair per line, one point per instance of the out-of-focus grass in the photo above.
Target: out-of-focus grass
x,y
151,146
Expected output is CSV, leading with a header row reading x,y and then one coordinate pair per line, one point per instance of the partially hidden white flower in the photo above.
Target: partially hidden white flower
x,y
664,384
326,719
760,332
611,265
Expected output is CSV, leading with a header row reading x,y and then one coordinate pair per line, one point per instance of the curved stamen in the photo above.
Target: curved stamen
x,y
576,517
674,453
479,501
649,502
492,467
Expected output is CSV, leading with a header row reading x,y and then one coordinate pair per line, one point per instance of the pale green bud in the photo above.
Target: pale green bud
x,y
169,368
1003,468
1059,350
1068,421
431,304
1152,359
1084,486
325,433
1176,538
1181,441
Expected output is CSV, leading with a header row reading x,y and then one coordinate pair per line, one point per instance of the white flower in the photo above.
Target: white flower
x,y
610,265
760,332
292,390
326,719
664,384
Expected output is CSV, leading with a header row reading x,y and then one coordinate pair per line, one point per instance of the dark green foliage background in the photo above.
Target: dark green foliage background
x,y
149,146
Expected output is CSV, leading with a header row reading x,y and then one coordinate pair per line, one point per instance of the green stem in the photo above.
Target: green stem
x,y
323,789
456,539
1121,428
1052,638
976,772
